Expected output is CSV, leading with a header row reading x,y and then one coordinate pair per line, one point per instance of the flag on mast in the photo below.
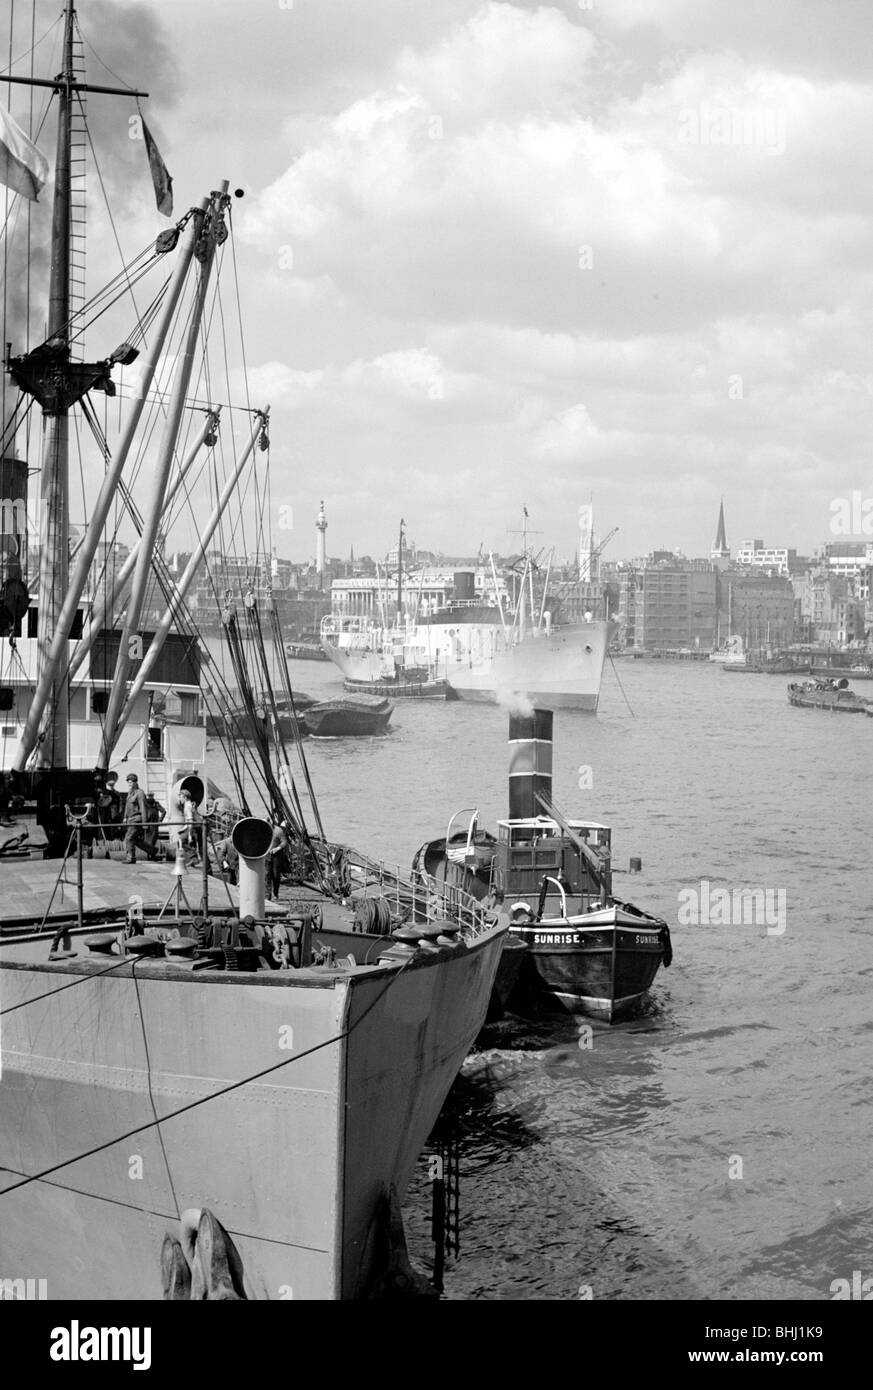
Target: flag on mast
x,y
22,166
160,175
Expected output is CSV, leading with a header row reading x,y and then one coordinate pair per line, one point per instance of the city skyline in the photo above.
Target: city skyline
x,y
519,253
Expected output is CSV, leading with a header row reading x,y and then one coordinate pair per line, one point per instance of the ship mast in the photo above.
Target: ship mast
x,y
400,572
57,384
54,555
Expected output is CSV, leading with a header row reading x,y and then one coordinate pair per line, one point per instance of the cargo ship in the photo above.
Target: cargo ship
x,y
481,649
207,1093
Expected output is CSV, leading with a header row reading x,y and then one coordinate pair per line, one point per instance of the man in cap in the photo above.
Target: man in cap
x,y
134,817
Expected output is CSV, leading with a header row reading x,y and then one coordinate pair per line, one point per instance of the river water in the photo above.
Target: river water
x,y
719,1145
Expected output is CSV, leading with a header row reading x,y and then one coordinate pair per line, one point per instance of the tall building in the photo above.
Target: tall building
x,y
668,604
760,609
830,609
321,527
756,555
853,561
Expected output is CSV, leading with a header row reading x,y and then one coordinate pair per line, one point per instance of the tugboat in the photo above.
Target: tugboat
x,y
589,952
833,695
413,686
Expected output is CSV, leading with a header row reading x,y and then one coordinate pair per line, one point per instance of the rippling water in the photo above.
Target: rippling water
x,y
609,1166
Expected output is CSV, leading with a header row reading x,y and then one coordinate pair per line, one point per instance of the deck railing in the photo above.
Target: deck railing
x,y
427,900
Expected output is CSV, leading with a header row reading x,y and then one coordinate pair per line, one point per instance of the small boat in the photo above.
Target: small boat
x,y
857,673
833,695
589,952
397,689
731,654
350,716
240,722
305,651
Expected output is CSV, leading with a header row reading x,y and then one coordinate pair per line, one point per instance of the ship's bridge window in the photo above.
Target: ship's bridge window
x,y
76,626
189,708
521,833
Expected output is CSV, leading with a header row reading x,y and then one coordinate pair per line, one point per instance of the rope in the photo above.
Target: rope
x,y
620,686
145,1043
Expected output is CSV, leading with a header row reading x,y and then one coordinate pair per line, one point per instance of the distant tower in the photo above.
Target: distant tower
x,y
587,550
321,527
721,549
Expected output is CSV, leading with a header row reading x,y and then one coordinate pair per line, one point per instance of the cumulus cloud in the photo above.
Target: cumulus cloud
x,y
626,244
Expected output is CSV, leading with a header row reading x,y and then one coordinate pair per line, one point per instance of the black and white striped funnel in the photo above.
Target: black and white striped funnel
x,y
530,762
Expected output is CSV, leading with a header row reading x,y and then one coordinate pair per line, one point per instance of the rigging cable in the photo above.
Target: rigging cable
x,y
214,1095
620,686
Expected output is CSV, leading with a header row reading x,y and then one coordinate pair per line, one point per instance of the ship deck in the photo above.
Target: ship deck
x,y
109,885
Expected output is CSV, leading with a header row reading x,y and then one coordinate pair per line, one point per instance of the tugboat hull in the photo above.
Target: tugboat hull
x,y
602,969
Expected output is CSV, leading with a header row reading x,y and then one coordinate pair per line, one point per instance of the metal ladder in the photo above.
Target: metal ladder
x,y
78,196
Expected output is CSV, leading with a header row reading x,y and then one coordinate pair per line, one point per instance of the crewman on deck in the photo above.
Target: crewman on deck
x,y
135,817
277,860
155,813
189,838
226,859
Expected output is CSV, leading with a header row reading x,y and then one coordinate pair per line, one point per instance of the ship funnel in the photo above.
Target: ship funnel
x,y
251,839
530,762
191,783
464,585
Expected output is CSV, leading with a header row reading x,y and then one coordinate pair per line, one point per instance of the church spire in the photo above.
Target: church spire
x,y
720,550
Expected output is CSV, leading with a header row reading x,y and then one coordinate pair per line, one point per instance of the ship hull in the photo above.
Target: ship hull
x,y
349,718
601,965
815,695
358,663
293,1164
557,670
540,699
401,690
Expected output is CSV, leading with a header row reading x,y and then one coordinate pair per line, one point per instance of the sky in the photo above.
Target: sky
x,y
505,254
